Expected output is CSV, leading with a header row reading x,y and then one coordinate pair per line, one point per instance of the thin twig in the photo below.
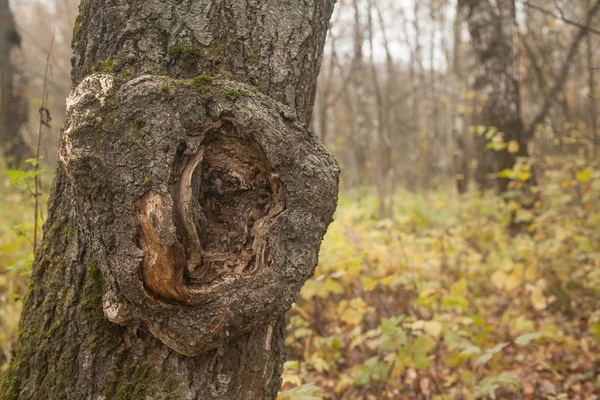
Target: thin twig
x,y
44,121
564,73
565,20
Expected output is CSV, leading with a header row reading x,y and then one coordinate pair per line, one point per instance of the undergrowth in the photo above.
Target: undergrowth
x,y
448,300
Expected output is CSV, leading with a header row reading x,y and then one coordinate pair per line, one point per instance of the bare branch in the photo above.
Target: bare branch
x,y
558,83
542,10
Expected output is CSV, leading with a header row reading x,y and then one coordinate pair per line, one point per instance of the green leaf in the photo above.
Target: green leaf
x,y
421,360
483,359
32,161
364,376
525,339
304,392
380,371
470,350
507,173
389,326
498,348
371,362
496,145
503,378
585,175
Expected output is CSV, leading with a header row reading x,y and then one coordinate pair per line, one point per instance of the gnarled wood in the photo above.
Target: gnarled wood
x,y
137,183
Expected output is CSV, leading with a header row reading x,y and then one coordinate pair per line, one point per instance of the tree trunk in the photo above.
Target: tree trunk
x,y
491,27
13,108
461,148
187,211
592,100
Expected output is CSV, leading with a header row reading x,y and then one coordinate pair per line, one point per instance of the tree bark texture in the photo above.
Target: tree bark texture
x,y
491,25
13,107
188,204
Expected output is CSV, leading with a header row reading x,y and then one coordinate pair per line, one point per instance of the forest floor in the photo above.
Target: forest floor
x,y
447,301
442,301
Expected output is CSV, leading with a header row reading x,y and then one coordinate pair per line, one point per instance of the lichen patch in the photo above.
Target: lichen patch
x,y
98,86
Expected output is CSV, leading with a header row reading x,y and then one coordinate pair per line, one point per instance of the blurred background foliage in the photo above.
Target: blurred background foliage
x,y
432,284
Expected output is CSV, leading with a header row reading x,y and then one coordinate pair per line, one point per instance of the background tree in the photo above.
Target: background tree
x,y
13,105
209,241
492,35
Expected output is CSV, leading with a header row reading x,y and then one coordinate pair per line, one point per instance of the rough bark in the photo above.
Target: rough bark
x,y
491,25
13,107
185,213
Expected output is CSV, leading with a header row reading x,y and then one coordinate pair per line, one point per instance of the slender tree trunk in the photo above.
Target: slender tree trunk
x,y
592,101
383,174
412,143
355,94
461,152
185,213
13,108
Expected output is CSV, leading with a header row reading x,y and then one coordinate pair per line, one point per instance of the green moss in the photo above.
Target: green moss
x,y
140,383
69,229
77,28
104,333
201,81
148,182
164,88
53,328
126,74
109,65
233,94
54,380
93,290
9,390
139,123
254,58
186,52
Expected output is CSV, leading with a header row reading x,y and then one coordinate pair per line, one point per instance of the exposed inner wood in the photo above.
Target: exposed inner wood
x,y
235,193
163,265
225,199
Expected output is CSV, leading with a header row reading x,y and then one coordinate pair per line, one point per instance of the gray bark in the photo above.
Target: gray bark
x,y
13,107
186,213
491,25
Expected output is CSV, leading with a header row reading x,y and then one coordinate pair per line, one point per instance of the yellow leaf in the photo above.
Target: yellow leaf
x,y
499,279
434,328
427,292
369,284
584,176
507,265
389,281
513,280
291,379
318,363
355,311
344,383
513,147
538,300
514,206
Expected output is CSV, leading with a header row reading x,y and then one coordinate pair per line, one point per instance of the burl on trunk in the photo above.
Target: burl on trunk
x,y
188,206
220,199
